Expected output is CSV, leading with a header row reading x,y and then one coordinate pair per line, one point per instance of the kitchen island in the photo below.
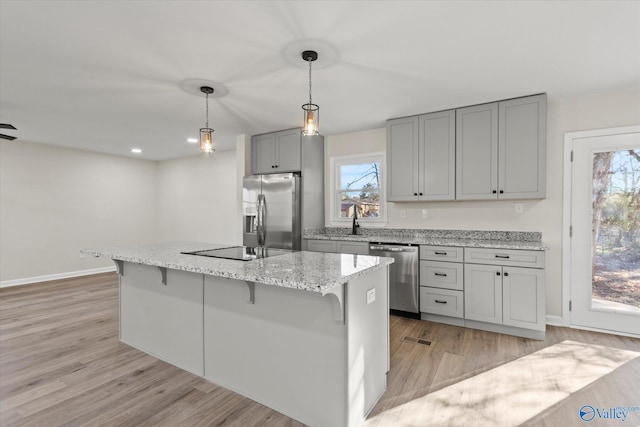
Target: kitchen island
x,y
304,333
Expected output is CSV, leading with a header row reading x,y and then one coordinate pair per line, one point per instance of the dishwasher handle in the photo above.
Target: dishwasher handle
x,y
381,248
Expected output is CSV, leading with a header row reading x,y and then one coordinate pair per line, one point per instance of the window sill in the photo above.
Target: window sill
x,y
361,223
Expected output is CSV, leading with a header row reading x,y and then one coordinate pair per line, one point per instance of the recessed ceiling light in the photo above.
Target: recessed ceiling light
x,y
192,140
136,150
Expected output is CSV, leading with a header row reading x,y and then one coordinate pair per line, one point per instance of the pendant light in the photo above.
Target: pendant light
x,y
206,133
311,111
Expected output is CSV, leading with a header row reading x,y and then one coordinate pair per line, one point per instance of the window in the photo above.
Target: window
x,y
357,183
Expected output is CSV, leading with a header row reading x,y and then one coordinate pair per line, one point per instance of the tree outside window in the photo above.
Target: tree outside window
x,y
358,187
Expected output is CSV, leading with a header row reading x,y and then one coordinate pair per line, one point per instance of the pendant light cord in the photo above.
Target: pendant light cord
x,y
207,102
310,81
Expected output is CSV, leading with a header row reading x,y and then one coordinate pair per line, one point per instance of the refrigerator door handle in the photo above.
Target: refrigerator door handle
x,y
260,220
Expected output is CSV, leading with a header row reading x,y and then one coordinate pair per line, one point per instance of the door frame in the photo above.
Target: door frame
x,y
569,138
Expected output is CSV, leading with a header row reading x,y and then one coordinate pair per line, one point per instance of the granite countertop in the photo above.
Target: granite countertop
x,y
310,271
462,238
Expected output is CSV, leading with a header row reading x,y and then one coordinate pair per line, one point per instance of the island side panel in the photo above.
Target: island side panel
x,y
165,321
368,342
286,351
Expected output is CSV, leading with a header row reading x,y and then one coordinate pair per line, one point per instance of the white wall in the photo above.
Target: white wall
x,y
55,201
594,112
198,199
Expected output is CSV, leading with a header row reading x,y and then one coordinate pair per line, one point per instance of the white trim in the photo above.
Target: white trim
x,y
57,276
569,138
554,320
566,223
332,220
604,331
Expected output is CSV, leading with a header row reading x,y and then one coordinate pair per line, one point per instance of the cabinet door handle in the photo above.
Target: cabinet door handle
x,y
497,273
502,256
440,274
421,194
506,274
440,253
494,191
415,194
501,191
439,301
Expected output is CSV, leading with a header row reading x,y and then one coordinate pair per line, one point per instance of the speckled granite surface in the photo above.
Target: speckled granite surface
x,y
461,238
310,271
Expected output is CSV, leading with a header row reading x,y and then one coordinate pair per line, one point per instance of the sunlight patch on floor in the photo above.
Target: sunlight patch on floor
x,y
512,393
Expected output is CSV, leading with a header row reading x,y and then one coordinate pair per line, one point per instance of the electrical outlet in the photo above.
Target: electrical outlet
x,y
371,295
425,213
519,207
403,213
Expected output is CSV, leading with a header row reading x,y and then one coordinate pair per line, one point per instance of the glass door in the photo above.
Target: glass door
x,y
605,243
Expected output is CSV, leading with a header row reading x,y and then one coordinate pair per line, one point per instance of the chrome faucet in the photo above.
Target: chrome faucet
x,y
355,225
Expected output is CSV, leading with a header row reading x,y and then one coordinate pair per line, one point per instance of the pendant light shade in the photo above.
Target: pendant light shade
x,y
206,133
310,110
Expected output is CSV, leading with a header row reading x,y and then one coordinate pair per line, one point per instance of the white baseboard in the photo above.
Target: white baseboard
x,y
49,277
554,320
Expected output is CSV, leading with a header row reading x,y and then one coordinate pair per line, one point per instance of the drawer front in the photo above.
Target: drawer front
x,y
441,301
513,257
441,253
321,245
437,274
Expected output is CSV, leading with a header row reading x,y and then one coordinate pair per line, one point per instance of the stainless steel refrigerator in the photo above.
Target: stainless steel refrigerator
x,y
271,213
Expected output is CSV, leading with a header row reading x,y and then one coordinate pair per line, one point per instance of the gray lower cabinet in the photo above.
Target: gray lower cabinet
x,y
338,246
421,157
441,281
523,297
483,288
276,152
506,287
501,150
501,290
163,319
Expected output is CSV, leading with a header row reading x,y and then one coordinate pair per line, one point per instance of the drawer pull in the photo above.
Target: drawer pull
x,y
440,274
440,253
439,301
502,256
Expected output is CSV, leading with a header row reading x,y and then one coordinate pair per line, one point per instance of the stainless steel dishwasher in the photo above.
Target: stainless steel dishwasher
x,y
403,276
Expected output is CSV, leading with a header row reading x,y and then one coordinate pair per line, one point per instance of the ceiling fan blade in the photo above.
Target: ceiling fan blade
x,y
6,126
10,138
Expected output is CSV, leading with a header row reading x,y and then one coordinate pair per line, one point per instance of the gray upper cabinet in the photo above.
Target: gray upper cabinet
x,y
477,152
522,156
501,150
402,159
437,153
276,152
421,157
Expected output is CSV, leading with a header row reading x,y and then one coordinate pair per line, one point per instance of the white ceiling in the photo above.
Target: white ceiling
x,y
107,76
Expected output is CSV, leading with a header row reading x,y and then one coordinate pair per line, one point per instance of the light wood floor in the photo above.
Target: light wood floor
x,y
61,364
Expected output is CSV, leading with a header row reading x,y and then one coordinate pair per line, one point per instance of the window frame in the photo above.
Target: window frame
x,y
334,193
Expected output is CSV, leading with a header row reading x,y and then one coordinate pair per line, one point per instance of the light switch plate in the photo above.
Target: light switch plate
x,y
519,207
371,295
425,213
403,213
